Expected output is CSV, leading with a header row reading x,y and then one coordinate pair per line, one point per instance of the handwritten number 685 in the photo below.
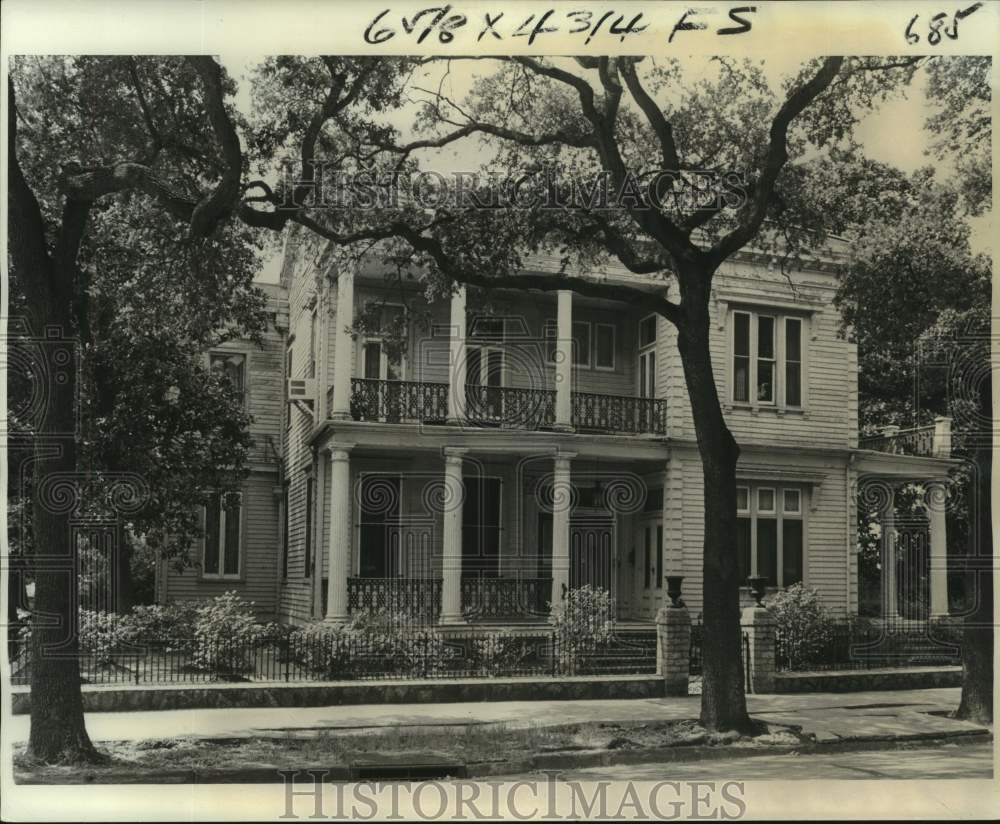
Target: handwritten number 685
x,y
937,25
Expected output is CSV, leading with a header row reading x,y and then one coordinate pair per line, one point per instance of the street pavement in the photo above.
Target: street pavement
x,y
827,716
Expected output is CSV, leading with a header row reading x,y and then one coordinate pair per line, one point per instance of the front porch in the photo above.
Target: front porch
x,y
487,538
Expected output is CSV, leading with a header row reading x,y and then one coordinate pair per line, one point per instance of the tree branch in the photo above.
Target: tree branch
x,y
774,160
661,126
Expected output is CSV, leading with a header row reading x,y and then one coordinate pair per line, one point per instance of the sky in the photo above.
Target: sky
x,y
894,133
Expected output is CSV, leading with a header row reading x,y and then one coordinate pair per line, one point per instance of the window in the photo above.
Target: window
x,y
764,373
652,576
288,376
647,331
769,539
307,565
481,527
284,531
383,350
232,367
221,557
378,548
581,343
604,345
550,331
311,369
793,362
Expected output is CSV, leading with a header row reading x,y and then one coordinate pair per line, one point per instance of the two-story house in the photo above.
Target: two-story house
x,y
473,456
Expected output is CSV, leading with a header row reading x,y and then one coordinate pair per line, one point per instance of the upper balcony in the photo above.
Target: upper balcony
x,y
930,441
392,401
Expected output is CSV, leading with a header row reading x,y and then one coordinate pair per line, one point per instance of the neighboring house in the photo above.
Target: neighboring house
x,y
475,456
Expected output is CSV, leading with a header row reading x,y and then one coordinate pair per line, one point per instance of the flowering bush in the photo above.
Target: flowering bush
x,y
169,627
323,650
226,636
583,624
806,627
103,634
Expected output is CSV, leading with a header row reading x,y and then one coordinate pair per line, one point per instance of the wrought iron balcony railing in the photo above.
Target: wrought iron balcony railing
x,y
618,413
415,598
505,407
399,401
498,597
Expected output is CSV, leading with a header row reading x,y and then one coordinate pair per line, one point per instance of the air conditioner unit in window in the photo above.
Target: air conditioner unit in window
x,y
301,389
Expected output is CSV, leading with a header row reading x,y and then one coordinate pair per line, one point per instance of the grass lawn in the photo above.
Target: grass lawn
x,y
323,749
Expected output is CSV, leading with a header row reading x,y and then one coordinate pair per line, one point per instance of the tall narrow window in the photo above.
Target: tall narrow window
x,y
221,557
307,570
284,531
793,362
288,376
765,359
770,534
379,528
232,367
311,372
741,357
658,583
604,345
648,557
647,357
481,527
581,343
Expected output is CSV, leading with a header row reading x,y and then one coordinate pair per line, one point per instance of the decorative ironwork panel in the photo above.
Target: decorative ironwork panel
x,y
398,401
619,413
417,598
494,597
511,407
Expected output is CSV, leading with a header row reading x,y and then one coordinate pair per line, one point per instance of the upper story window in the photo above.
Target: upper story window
x,y
593,343
383,350
581,343
770,533
232,367
222,521
767,359
604,346
311,367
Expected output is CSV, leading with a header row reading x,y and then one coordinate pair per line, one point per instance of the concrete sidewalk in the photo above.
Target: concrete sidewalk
x,y
827,716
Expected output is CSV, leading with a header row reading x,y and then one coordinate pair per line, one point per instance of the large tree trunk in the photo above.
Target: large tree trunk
x,y
977,638
723,700
58,733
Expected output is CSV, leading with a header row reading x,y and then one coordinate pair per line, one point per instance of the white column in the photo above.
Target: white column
x,y
456,358
942,437
338,540
343,356
564,361
890,608
938,550
451,560
562,498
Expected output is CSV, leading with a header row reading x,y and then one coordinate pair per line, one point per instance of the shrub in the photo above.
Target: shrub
x,y
322,650
583,625
226,636
806,627
168,627
499,653
103,634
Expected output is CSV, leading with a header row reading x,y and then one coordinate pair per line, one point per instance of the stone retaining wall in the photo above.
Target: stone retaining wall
x,y
215,696
862,680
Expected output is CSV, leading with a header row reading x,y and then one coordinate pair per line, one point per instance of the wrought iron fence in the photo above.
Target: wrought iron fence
x,y
335,656
695,664
859,644
399,401
619,413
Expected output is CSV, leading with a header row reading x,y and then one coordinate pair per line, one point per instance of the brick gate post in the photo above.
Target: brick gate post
x,y
758,623
673,650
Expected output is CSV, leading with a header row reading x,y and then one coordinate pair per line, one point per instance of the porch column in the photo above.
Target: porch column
x,y
564,360
456,358
562,497
890,608
935,509
343,354
338,539
451,560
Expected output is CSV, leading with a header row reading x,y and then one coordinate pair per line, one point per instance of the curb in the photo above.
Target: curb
x,y
536,763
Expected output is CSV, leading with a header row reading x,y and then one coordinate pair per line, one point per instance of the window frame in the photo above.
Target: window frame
x,y
228,353
479,526
754,514
221,574
358,519
379,338
614,346
779,362
578,351
308,547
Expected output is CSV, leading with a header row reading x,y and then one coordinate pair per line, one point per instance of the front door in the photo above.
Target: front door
x,y
649,564
591,551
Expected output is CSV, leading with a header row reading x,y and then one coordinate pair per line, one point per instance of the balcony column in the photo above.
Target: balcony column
x,y
564,361
935,509
562,501
941,447
451,560
343,355
890,608
338,539
456,358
